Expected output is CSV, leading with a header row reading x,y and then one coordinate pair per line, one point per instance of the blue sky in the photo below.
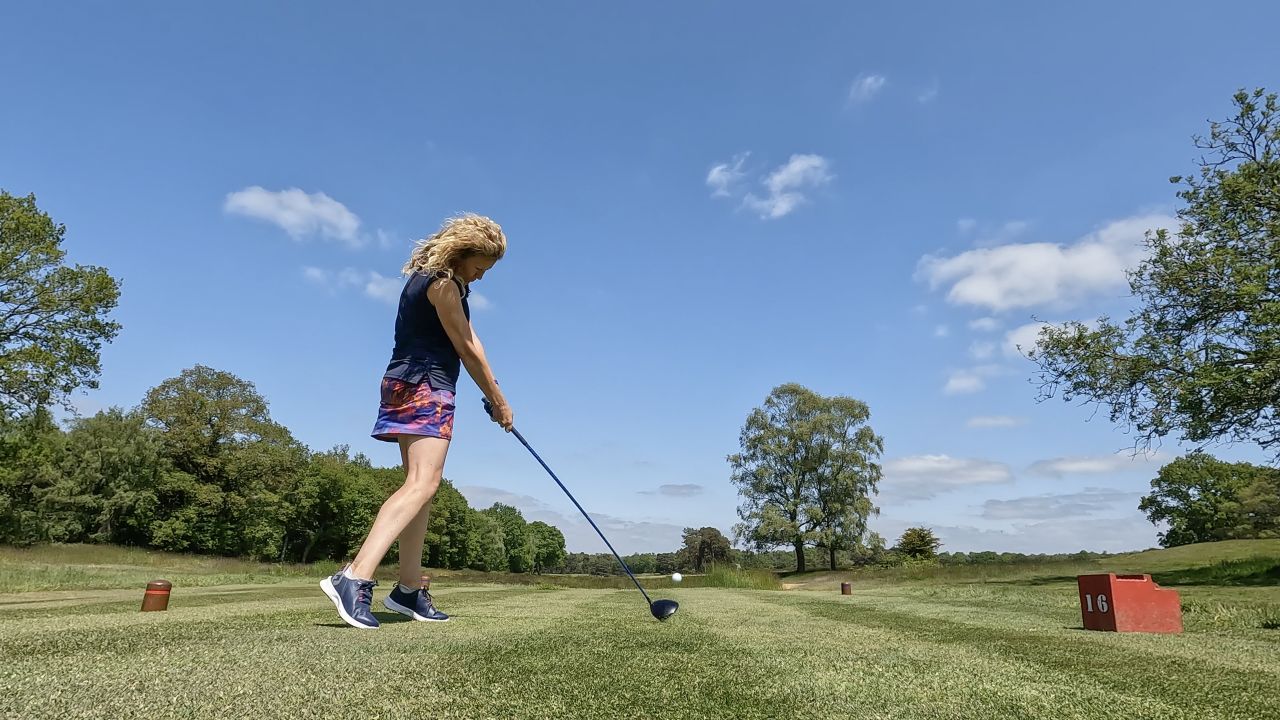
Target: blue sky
x,y
703,201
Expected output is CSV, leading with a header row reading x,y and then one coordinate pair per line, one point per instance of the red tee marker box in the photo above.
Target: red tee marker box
x,y
1128,603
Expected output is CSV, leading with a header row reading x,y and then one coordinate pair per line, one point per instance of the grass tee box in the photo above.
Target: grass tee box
x,y
1128,603
943,647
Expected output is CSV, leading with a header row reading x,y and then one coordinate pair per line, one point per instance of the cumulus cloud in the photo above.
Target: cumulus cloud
x,y
1022,339
627,536
865,87
995,421
723,178
1126,532
1090,501
300,214
785,188
678,490
922,477
970,380
1024,275
982,350
984,324
371,283
788,184
1098,464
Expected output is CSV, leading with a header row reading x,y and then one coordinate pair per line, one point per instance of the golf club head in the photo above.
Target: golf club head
x,y
663,609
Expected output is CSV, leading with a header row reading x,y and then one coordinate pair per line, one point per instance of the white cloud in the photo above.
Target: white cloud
x,y
479,302
941,331
1042,274
970,380
386,289
678,490
787,185
373,284
1090,501
865,87
963,382
1127,532
985,324
982,350
1022,339
298,213
995,421
1120,462
627,536
921,477
725,176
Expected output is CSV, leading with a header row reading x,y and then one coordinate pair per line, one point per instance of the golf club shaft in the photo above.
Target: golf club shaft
x,y
584,512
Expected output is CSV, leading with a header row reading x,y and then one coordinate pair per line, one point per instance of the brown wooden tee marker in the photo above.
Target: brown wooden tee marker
x,y
156,596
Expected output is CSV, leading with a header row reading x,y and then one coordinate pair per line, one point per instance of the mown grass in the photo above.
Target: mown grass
x,y
906,650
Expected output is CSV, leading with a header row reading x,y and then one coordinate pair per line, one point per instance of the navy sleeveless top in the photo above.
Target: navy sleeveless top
x,y
423,351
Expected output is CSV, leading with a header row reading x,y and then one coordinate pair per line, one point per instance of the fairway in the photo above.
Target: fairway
x,y
890,650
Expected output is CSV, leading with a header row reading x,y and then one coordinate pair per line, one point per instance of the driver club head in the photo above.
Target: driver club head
x,y
663,609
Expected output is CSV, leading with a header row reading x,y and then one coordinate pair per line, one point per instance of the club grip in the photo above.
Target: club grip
x,y
488,408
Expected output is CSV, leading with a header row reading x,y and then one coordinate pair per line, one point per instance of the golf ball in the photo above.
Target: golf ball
x,y
676,577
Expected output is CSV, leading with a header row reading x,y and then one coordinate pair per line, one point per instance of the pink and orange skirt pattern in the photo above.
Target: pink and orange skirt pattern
x,y
409,409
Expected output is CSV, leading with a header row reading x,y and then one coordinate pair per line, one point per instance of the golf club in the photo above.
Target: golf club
x,y
661,609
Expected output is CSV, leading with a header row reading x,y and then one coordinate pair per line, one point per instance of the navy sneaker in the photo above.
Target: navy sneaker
x,y
416,604
352,598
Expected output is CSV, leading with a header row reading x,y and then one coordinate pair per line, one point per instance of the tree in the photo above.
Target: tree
x,y
664,563
29,450
919,543
548,546
515,537
53,317
702,547
204,412
235,466
111,467
1201,354
1202,499
806,470
484,546
447,535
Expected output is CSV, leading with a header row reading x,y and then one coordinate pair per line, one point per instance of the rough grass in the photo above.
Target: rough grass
x,y
104,567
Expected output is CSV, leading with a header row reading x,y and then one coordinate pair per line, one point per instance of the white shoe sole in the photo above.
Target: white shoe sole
x,y
394,606
332,592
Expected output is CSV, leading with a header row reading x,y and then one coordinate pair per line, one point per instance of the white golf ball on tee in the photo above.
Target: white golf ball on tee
x,y
676,577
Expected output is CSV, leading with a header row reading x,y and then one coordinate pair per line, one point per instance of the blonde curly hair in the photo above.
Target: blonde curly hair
x,y
459,237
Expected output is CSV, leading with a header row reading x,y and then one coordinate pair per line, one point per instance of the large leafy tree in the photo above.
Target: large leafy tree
x,y
53,317
237,467
806,470
485,549
548,546
111,466
1200,355
1200,498
515,537
703,547
919,543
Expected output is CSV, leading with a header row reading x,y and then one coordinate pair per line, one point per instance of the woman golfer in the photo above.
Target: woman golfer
x,y
433,338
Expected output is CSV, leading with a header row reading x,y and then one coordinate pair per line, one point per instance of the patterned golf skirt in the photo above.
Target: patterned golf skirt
x,y
409,409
